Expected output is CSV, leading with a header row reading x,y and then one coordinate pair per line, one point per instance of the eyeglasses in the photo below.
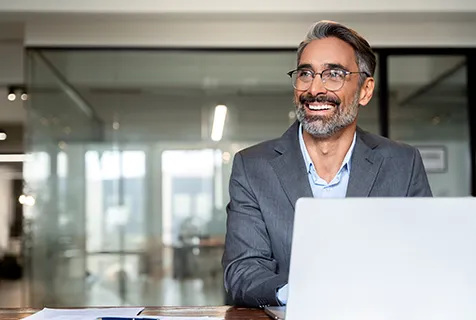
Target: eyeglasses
x,y
332,79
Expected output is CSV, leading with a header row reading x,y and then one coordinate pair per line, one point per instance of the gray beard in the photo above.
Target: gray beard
x,y
325,127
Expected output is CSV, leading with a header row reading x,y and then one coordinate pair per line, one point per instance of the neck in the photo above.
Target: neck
x,y
327,154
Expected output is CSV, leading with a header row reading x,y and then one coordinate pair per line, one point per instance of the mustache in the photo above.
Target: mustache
x,y
308,98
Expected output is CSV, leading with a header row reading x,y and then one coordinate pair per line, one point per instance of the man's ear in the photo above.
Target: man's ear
x,y
367,91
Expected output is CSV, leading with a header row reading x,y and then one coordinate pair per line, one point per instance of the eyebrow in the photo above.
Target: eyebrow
x,y
326,65
305,66
335,66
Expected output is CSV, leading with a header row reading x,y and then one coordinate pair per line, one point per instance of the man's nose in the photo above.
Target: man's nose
x,y
317,86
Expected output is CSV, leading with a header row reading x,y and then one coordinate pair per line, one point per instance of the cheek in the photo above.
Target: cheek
x,y
297,95
348,97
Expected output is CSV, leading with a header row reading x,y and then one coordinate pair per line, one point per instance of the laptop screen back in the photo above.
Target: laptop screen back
x,y
392,258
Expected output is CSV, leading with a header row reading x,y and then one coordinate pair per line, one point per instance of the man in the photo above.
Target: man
x,y
324,154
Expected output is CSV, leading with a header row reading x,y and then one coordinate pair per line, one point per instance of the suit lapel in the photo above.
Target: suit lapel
x,y
365,166
289,166
292,173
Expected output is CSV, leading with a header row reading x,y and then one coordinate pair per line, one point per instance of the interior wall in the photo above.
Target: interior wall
x,y
14,142
6,209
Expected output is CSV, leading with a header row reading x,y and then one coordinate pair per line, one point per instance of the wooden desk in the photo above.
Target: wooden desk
x,y
228,313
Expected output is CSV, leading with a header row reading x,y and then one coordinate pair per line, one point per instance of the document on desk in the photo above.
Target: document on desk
x,y
161,318
105,314
84,314
172,318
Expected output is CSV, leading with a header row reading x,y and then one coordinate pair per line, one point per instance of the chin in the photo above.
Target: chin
x,y
320,130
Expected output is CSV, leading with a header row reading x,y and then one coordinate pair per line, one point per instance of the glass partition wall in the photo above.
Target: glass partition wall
x,y
58,120
429,110
131,180
130,157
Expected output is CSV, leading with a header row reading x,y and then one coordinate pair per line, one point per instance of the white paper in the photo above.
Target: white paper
x,y
147,317
83,314
177,318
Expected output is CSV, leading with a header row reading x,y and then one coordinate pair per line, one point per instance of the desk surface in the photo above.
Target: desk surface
x,y
228,313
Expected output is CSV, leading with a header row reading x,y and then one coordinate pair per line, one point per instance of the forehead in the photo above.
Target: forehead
x,y
331,50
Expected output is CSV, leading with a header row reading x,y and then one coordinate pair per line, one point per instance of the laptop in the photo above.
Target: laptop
x,y
382,258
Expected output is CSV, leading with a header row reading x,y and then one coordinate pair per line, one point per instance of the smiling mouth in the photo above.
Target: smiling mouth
x,y
320,106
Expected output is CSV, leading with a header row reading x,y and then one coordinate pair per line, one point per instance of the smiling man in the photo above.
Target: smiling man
x,y
324,154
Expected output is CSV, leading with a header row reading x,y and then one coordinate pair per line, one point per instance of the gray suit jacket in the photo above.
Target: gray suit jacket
x,y
266,181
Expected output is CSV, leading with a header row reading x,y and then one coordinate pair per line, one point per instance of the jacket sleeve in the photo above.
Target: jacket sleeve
x,y
419,186
250,272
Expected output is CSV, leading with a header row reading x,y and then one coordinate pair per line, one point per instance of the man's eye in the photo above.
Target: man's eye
x,y
305,74
336,73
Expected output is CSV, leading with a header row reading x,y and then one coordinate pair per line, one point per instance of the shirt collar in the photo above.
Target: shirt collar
x,y
307,158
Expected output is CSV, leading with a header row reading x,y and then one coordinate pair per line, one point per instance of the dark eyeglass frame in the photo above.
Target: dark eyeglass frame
x,y
313,74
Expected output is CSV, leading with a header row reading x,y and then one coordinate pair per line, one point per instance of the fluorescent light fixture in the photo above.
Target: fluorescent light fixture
x,y
27,200
218,122
12,157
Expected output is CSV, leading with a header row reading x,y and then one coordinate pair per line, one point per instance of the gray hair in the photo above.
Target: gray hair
x,y
364,56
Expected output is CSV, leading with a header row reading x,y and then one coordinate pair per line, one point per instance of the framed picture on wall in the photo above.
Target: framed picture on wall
x,y
435,158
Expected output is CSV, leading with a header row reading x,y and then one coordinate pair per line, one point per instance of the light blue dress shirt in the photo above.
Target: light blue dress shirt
x,y
337,188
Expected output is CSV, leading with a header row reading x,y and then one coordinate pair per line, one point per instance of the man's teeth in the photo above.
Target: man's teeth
x,y
320,107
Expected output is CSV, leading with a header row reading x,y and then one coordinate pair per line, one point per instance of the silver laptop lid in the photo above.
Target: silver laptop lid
x,y
392,258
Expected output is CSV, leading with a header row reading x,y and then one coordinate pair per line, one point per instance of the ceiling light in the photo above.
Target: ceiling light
x,y
218,122
17,89
12,157
26,200
3,136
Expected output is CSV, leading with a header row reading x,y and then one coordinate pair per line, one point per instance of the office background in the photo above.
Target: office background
x,y
124,191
